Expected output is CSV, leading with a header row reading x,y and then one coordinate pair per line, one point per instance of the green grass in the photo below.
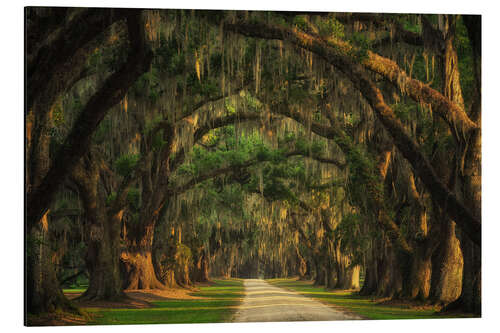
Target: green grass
x,y
74,290
360,305
219,302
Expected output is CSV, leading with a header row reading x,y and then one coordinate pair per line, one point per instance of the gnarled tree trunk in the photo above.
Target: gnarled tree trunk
x,y
137,259
102,235
447,267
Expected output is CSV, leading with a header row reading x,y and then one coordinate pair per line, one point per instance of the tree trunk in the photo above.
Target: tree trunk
x,y
102,259
371,273
470,298
163,262
137,259
139,271
200,272
390,277
447,267
331,274
301,265
348,275
103,262
417,286
319,279
471,284
102,235
417,273
370,283
43,293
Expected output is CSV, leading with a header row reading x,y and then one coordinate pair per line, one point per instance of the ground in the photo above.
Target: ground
x,y
236,300
264,302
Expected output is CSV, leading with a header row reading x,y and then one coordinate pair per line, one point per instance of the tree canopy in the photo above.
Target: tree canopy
x,y
164,147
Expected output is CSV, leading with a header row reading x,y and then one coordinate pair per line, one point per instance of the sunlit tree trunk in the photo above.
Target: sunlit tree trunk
x,y
470,298
302,265
201,266
137,258
447,266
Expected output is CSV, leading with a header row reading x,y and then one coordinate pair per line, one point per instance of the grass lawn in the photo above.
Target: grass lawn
x,y
360,305
74,290
220,301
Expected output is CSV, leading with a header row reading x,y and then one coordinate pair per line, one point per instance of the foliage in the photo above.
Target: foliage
x,y
134,198
362,46
126,163
330,27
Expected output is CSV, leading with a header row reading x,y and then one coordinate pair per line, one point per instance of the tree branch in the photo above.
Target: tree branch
x,y
338,56
78,141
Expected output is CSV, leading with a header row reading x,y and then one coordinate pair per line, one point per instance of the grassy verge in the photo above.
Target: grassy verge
x,y
219,302
360,305
74,290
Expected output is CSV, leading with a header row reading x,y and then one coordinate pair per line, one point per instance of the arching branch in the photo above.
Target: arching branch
x,y
338,56
78,140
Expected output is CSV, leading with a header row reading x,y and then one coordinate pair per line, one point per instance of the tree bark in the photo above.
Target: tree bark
x,y
43,292
102,235
417,285
139,271
447,267
200,272
137,259
102,259
390,276
470,298
301,265
320,277
347,274
370,282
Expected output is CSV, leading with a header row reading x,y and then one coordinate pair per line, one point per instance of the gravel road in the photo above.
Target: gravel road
x,y
264,302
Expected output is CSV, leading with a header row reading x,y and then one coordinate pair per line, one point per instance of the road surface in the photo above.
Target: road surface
x,y
264,302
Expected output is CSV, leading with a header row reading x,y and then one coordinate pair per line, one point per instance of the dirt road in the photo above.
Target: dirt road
x,y
264,302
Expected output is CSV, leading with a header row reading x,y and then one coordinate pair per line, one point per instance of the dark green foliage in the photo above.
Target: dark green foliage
x,y
134,198
169,57
351,238
466,60
362,45
126,163
148,86
300,21
404,111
